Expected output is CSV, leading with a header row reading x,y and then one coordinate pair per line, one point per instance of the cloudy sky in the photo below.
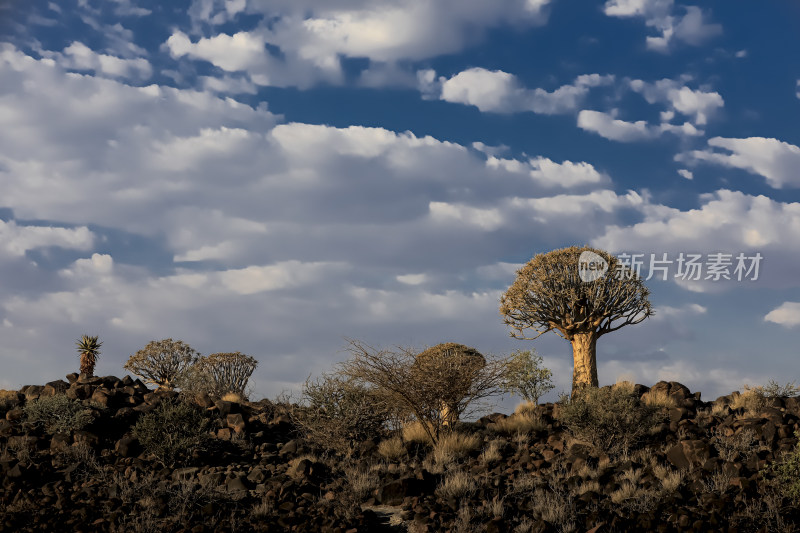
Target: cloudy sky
x,y
273,177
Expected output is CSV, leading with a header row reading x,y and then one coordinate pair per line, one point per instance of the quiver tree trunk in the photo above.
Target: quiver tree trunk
x,y
584,356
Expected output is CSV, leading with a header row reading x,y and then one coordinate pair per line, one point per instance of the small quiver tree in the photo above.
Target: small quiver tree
x,y
89,349
549,294
162,363
450,370
433,389
226,373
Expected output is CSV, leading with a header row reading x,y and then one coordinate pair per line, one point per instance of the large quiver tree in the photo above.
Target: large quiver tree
x,y
550,294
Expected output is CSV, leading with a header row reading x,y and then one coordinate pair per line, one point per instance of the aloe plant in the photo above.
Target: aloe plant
x,y
89,349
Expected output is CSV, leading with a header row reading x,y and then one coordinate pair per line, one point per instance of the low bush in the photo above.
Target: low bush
x,y
338,413
58,414
172,431
611,418
786,470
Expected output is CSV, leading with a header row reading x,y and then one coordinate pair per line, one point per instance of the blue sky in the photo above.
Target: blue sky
x,y
273,177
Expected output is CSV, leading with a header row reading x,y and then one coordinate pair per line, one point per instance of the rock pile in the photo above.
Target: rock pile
x,y
701,469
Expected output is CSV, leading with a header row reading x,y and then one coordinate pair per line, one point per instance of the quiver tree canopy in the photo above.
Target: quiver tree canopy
x,y
549,294
456,366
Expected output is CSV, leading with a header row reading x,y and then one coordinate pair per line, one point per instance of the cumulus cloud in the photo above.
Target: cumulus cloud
x,y
787,314
78,56
16,240
697,104
686,173
550,173
728,222
501,92
608,126
775,160
691,27
306,40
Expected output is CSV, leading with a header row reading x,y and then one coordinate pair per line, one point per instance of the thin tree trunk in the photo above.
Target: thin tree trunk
x,y
584,356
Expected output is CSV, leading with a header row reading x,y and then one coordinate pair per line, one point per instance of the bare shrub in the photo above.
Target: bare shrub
x,y
739,445
162,363
419,387
339,412
610,418
58,414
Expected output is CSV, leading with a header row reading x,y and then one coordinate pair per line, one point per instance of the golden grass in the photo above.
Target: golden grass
x,y
525,408
752,400
8,398
519,423
232,397
415,432
624,385
491,454
456,484
392,448
454,446
659,398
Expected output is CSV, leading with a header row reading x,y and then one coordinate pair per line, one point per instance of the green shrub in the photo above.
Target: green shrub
x,y
172,431
338,413
610,418
58,414
787,472
526,377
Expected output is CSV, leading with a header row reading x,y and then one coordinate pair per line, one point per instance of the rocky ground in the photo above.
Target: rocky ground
x,y
706,467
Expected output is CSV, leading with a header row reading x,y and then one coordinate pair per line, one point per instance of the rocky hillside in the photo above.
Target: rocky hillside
x,y
69,461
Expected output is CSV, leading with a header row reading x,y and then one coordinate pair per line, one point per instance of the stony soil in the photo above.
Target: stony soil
x,y
702,469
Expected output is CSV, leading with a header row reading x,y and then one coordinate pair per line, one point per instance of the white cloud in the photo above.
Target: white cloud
x,y
284,275
697,104
412,279
686,173
690,28
78,56
551,174
16,240
775,160
485,219
605,125
312,37
240,51
501,92
608,126
798,88
787,314
728,222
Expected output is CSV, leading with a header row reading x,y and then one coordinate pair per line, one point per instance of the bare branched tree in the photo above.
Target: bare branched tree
x,y
422,388
550,294
162,362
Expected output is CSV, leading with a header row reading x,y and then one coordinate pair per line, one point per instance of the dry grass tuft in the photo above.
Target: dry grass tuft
x,y
625,386
519,423
454,446
415,432
659,398
491,454
233,397
525,408
392,449
457,484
